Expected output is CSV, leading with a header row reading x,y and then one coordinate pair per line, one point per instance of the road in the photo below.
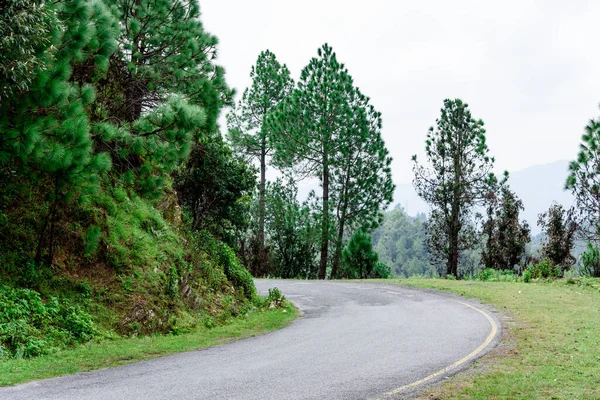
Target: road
x,y
355,341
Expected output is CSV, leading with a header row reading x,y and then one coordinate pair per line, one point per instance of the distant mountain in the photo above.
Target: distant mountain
x,y
537,186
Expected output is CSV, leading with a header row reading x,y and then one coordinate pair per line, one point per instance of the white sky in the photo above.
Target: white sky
x,y
529,69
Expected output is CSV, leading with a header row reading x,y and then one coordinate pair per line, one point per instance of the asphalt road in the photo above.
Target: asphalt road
x,y
355,341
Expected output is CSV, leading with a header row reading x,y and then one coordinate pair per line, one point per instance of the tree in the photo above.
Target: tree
x,y
292,232
584,181
459,173
307,127
46,139
362,177
360,261
162,92
506,236
26,30
560,228
400,242
213,185
248,133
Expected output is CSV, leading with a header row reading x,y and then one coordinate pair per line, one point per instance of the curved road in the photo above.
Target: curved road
x,y
356,341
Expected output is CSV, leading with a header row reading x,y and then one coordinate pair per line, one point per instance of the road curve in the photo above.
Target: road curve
x,y
356,341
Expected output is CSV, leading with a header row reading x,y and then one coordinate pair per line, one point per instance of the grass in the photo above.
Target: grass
x,y
110,353
550,350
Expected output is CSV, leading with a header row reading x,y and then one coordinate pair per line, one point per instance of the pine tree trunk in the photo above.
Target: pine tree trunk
x,y
325,228
338,249
261,210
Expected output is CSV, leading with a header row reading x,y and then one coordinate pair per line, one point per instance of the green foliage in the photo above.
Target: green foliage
x,y
359,259
590,261
250,136
400,242
527,275
506,237
239,276
26,29
31,327
271,84
113,98
583,180
381,270
560,228
135,232
362,177
292,233
91,239
544,269
459,171
215,187
494,275
327,129
306,128
275,299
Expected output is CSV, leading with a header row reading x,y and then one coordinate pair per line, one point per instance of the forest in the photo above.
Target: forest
x,y
127,209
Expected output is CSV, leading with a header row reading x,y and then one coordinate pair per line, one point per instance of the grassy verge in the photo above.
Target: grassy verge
x,y
109,353
555,329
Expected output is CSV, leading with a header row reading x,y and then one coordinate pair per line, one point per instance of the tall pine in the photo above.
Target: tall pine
x,y
308,125
362,177
455,179
248,132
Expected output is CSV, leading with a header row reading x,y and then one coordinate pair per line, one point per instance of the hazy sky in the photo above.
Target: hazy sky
x,y
529,69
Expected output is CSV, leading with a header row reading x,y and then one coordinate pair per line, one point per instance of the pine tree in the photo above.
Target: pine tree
x,y
248,133
560,227
162,91
26,28
584,181
47,131
212,186
507,237
362,177
307,127
457,179
359,258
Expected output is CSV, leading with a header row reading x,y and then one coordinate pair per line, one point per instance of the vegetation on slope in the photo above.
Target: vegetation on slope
x,y
111,220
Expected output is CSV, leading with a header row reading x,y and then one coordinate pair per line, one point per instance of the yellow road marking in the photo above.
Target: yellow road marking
x,y
459,362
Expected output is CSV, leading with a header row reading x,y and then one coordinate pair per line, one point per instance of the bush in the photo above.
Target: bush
x,y
544,269
490,274
590,261
359,259
30,327
236,273
381,270
275,299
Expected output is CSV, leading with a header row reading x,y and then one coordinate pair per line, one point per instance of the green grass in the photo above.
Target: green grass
x,y
110,353
551,345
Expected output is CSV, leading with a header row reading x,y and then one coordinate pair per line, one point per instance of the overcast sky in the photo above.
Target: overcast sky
x,y
529,69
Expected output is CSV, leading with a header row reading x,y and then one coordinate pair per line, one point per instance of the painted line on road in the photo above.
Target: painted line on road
x,y
463,360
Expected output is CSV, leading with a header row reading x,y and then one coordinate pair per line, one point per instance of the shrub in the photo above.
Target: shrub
x,y
381,270
590,261
30,327
544,269
236,273
359,259
489,274
486,274
527,276
275,299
